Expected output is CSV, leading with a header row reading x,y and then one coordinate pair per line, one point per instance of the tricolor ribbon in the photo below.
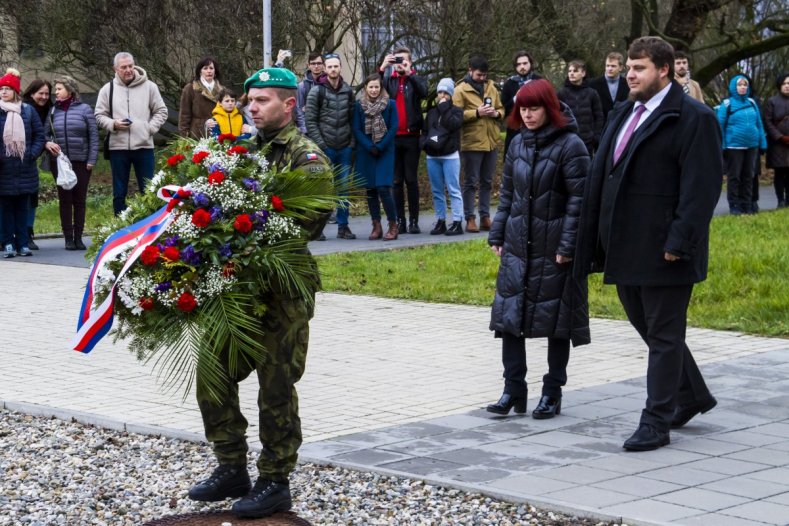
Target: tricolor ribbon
x,y
94,323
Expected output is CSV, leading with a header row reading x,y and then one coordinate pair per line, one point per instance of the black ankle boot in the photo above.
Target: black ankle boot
x,y
401,228
413,227
70,245
506,403
265,499
547,408
30,243
227,481
440,228
79,244
455,229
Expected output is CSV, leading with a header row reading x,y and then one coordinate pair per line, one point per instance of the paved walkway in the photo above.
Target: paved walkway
x,y
397,387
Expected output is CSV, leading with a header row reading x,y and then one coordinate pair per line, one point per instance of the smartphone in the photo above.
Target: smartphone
x,y
127,120
398,60
488,101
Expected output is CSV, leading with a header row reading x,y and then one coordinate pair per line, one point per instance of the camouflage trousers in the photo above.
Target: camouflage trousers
x,y
286,334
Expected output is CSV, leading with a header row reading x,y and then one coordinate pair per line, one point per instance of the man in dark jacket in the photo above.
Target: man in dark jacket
x,y
524,71
584,103
611,87
408,90
645,223
329,114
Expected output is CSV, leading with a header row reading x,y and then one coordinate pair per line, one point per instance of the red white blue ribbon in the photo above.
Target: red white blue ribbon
x,y
94,323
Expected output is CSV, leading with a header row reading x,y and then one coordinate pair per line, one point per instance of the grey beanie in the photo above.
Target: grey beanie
x,y
447,85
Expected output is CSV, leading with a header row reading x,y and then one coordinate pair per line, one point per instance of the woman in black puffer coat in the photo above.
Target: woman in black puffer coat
x,y
534,232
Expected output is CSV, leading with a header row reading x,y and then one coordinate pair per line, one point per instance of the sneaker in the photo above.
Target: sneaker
x,y
9,252
227,481
439,228
333,218
265,499
344,232
24,252
455,229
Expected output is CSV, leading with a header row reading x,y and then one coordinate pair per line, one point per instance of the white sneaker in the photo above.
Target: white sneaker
x,y
9,251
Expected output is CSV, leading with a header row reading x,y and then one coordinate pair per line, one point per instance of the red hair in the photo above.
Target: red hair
x,y
537,93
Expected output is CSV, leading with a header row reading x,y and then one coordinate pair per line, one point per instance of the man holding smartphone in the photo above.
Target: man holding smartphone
x,y
131,109
408,90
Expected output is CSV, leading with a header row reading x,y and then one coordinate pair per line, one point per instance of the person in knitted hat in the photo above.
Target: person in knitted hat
x,y
441,142
23,140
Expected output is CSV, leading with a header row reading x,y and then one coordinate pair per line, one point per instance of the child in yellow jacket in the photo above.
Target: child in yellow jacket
x,y
227,117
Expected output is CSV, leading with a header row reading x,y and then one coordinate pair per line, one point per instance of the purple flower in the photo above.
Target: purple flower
x,y
164,286
260,218
201,200
171,241
161,247
252,185
190,256
225,251
216,167
216,213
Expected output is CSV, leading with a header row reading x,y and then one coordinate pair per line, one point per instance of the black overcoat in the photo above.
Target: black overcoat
x,y
537,218
658,198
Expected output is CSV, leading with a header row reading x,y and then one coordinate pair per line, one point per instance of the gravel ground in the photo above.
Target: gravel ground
x,y
64,473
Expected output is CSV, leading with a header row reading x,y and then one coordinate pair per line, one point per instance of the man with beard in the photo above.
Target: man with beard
x,y
645,224
682,75
524,71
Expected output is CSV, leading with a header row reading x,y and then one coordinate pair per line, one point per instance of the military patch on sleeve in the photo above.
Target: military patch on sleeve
x,y
312,156
317,169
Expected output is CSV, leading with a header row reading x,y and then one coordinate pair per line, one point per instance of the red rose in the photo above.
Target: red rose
x,y
243,223
146,303
175,159
226,137
187,302
237,150
216,177
171,254
229,269
150,255
276,203
199,157
201,218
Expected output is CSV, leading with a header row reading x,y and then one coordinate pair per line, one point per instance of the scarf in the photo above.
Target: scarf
x,y
14,129
521,79
64,104
478,86
374,124
686,85
210,93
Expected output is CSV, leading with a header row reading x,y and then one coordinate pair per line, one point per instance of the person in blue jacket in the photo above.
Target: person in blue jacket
x,y
375,126
23,141
743,137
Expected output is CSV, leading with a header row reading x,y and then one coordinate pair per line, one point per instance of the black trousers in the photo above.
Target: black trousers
x,y
513,357
405,171
781,183
659,314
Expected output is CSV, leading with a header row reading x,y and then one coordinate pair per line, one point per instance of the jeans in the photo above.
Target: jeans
x,y
72,203
478,168
407,154
384,193
14,210
445,173
513,357
739,177
341,160
121,162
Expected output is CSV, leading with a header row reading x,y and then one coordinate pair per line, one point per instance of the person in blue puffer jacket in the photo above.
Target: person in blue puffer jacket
x,y
71,129
743,137
23,140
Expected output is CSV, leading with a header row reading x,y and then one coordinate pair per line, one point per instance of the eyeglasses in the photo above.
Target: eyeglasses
x,y
317,63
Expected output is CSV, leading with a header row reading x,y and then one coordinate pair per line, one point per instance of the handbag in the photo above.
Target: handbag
x,y
67,178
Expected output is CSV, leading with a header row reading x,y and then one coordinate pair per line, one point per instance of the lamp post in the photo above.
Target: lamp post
x,y
266,33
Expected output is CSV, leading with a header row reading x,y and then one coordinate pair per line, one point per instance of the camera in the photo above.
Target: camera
x,y
488,101
398,60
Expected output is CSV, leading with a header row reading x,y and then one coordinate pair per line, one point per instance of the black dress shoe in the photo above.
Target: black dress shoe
x,y
227,481
646,438
266,498
507,402
683,413
548,407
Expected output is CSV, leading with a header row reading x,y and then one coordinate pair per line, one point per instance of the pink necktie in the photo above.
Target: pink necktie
x,y
628,132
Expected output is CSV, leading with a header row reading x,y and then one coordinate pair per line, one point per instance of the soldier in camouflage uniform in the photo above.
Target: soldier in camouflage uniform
x,y
272,99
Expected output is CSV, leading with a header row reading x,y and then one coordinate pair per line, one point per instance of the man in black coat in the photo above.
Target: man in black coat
x,y
584,103
611,87
524,72
645,223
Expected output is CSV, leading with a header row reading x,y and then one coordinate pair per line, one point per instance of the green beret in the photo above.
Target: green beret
x,y
271,78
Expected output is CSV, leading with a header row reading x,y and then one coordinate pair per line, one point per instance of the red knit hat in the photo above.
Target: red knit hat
x,y
11,79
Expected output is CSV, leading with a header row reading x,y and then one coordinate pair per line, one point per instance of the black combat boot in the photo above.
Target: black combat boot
x,y
266,498
227,481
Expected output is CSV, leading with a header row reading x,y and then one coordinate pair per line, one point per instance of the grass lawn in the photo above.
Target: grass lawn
x,y
747,288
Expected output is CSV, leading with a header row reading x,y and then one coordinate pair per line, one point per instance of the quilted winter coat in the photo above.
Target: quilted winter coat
x,y
537,218
20,176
